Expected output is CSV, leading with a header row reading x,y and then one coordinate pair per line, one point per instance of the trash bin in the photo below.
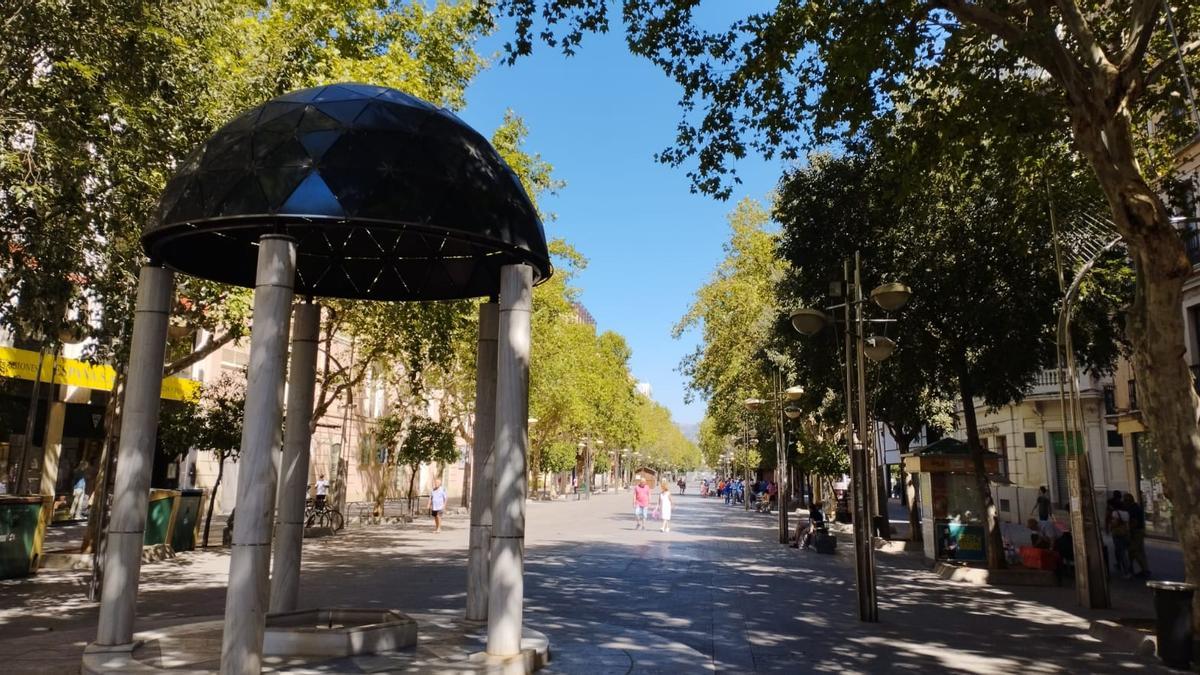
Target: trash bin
x,y
186,519
1173,621
20,542
158,517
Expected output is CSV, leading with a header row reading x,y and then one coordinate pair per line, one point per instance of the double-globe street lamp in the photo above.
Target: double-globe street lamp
x,y
783,485
889,297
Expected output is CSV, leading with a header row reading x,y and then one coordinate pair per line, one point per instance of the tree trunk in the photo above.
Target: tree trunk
x,y
412,486
212,498
991,524
468,469
93,534
18,486
1166,394
910,491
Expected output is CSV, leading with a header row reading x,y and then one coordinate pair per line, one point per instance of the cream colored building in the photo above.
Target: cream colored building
x,y
341,448
1030,440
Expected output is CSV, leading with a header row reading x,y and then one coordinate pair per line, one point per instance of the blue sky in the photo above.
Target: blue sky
x,y
598,118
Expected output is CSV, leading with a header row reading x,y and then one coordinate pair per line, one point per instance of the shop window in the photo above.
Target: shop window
x,y
1031,439
1114,439
1004,505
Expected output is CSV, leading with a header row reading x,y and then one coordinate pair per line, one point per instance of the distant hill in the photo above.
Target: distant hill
x,y
691,431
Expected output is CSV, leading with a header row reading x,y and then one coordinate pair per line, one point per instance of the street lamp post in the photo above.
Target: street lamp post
x,y
783,484
858,347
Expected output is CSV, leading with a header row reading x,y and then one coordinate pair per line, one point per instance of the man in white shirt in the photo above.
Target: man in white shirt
x,y
322,490
437,504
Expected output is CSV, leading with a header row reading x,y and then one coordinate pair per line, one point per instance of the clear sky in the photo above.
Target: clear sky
x,y
598,118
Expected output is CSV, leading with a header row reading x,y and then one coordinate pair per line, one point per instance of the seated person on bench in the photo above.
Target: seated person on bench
x,y
816,519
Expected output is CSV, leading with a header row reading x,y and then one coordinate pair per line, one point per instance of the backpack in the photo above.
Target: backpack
x,y
1119,527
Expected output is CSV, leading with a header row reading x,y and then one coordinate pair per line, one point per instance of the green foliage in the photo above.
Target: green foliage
x,y
792,77
427,441
745,460
820,447
537,175
735,311
218,424
384,440
555,457
580,384
712,444
102,100
660,441
177,421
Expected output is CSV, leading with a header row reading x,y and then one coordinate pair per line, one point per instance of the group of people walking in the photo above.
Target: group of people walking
x,y
737,490
1126,524
1124,521
642,508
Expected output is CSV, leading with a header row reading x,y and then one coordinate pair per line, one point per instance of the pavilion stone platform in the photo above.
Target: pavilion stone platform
x,y
446,644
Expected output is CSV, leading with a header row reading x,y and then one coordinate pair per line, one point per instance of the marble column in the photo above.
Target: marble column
x,y
246,598
483,466
293,482
135,458
507,569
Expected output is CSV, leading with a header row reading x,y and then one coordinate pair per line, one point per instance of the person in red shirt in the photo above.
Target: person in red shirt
x,y
641,503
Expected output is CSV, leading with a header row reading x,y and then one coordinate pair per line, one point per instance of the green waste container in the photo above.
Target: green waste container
x,y
186,519
159,515
20,540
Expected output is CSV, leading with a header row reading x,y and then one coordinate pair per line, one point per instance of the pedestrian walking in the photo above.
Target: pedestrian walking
x,y
79,492
1118,527
1045,514
665,506
1137,535
437,504
641,503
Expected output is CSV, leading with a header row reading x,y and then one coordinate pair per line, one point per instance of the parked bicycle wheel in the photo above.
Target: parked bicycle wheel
x,y
335,520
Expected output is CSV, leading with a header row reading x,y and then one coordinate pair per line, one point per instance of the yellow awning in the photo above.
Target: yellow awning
x,y
22,364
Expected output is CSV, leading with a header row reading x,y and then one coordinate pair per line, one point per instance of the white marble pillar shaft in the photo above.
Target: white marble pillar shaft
x,y
135,458
483,467
246,599
507,587
293,482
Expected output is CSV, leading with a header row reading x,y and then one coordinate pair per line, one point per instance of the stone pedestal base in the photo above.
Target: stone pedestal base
x,y
445,644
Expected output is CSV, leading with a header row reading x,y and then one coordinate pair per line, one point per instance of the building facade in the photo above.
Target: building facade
x,y
342,450
1031,441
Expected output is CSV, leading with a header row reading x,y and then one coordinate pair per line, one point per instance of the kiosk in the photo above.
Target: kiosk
x,y
952,526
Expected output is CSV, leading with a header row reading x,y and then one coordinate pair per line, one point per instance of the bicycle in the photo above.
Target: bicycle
x,y
322,515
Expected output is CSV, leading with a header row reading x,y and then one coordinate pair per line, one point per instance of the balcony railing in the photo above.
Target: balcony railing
x,y
1046,378
1046,383
1191,241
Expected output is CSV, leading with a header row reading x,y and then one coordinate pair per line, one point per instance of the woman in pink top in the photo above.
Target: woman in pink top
x,y
641,503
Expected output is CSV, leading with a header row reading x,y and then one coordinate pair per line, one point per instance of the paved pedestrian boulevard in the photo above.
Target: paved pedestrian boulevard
x,y
716,593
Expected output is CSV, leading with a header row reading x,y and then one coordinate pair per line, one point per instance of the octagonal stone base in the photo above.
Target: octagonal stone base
x,y
445,644
338,632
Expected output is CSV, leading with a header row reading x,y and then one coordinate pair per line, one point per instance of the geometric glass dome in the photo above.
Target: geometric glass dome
x,y
388,197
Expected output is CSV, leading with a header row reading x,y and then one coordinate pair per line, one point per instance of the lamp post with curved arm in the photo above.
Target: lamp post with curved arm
x,y
888,297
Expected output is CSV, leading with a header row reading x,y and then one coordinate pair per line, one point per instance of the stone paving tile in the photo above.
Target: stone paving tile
x,y
716,593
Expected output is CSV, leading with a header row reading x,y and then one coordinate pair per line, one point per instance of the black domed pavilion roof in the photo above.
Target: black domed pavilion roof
x,y
387,196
